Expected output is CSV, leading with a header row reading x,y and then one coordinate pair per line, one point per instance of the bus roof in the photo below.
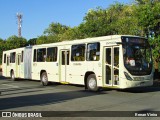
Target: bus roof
x,y
77,41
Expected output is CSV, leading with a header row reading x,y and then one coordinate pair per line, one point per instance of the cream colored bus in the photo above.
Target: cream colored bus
x,y
16,63
111,61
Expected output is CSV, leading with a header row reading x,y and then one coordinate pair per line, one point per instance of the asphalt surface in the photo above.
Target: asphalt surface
x,y
27,95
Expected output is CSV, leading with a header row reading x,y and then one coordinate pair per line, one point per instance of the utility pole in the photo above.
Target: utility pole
x,y
19,17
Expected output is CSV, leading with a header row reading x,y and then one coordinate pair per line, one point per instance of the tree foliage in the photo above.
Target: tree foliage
x,y
55,29
11,43
15,42
2,48
117,19
32,41
148,14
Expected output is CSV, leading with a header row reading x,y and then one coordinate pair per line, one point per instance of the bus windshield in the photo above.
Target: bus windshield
x,y
137,55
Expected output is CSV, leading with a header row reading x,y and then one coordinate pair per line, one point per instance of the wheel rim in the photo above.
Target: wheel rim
x,y
92,83
44,79
12,76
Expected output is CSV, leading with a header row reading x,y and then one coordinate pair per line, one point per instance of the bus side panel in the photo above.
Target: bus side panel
x,y
35,71
52,71
50,68
97,69
27,63
6,67
76,71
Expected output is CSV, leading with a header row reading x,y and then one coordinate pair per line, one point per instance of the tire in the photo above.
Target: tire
x,y
12,76
44,79
92,83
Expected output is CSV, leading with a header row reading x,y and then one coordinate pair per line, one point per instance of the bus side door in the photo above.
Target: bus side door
x,y
64,62
111,66
18,65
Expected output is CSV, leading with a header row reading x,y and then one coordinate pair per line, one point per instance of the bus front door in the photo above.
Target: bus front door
x,y
64,61
18,65
111,66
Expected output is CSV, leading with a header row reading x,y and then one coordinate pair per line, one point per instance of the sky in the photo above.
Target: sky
x,y
38,14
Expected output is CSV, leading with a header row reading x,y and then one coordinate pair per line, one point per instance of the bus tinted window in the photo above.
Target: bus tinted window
x,y
41,55
22,57
51,54
12,57
8,61
4,58
35,55
78,52
93,51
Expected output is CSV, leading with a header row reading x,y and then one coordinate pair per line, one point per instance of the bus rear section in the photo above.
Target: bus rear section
x,y
16,63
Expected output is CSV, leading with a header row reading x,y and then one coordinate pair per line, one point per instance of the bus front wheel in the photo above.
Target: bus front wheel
x,y
92,83
44,79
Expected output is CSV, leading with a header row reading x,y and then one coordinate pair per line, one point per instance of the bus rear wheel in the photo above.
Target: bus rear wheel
x,y
92,83
44,79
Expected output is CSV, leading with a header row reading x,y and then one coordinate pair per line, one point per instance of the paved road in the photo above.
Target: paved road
x,y
25,95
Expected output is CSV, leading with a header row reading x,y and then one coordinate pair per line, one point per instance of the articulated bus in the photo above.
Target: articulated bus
x,y
117,61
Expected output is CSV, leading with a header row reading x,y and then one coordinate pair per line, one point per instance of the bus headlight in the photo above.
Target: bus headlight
x,y
138,78
127,76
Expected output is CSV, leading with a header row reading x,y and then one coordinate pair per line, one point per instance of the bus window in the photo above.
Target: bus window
x,y
41,55
51,54
137,55
93,51
18,60
4,58
8,61
12,57
108,64
78,52
108,55
35,55
65,58
22,57
116,56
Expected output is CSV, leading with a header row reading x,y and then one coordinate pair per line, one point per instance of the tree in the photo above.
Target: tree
x,y
11,43
56,29
147,12
95,23
54,33
43,39
15,42
71,34
122,20
155,43
2,48
1,40
117,19
32,41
